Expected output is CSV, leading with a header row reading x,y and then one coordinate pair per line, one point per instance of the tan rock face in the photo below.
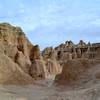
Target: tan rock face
x,y
9,34
48,53
52,65
19,52
38,69
35,53
81,43
70,51
73,70
23,62
11,73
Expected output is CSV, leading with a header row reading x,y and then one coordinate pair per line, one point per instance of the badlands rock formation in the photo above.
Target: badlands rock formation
x,y
52,65
77,61
73,71
73,59
18,57
11,73
21,62
69,51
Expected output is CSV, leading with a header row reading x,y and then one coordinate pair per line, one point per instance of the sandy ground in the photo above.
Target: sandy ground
x,y
45,90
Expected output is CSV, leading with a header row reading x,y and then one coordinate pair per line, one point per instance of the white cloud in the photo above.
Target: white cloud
x,y
96,22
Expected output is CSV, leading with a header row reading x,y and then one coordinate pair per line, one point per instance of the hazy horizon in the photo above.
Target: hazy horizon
x,y
52,22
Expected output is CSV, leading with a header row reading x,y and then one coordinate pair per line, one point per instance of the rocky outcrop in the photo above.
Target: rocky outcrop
x,y
38,69
73,71
19,56
11,73
78,73
52,65
70,51
56,57
12,38
23,62
49,53
18,51
81,44
35,53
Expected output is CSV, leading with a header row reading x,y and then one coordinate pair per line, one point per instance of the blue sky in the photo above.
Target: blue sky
x,y
51,22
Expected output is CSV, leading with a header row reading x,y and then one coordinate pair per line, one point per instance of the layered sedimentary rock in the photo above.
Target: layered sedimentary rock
x,y
11,73
70,51
49,52
35,53
55,58
52,65
23,62
79,73
18,56
76,60
73,70
38,69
